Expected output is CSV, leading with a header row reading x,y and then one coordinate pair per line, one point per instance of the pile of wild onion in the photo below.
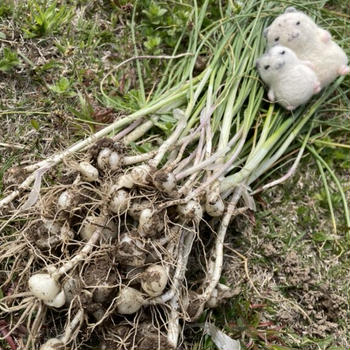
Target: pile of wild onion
x,y
104,251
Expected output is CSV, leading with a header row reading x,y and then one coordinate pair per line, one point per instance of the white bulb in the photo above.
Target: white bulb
x,y
216,208
214,205
52,344
150,223
92,223
140,174
129,301
191,210
45,288
125,181
103,158
65,200
89,172
154,280
145,217
114,160
165,181
119,202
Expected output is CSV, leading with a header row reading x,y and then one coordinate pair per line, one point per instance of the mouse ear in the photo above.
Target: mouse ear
x,y
290,9
266,30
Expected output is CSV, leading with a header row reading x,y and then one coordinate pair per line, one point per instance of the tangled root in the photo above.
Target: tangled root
x,y
96,243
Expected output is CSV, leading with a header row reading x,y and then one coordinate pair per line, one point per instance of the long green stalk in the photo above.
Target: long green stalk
x,y
328,195
337,183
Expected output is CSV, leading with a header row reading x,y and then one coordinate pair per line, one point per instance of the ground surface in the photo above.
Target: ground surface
x,y
289,266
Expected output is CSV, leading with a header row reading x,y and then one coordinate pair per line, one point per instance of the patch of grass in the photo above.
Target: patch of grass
x,y
297,265
9,60
46,17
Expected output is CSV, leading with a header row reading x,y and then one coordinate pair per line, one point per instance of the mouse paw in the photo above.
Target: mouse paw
x,y
290,107
271,96
309,64
325,36
317,87
343,70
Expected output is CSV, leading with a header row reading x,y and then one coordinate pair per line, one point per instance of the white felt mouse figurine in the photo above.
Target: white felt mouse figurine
x,y
299,32
291,81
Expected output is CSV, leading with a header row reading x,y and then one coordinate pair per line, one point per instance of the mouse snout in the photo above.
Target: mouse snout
x,y
293,35
257,64
279,64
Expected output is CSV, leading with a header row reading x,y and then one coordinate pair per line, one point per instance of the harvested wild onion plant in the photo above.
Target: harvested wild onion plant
x,y
107,246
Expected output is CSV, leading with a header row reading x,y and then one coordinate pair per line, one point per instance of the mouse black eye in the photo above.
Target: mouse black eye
x,y
282,52
297,23
278,38
267,67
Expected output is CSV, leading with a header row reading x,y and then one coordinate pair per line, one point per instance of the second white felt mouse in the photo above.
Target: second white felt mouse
x,y
290,80
299,32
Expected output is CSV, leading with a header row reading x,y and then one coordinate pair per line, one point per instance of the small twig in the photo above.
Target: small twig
x,y
12,145
245,261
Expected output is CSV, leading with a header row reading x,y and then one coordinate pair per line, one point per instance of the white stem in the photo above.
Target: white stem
x,y
189,184
57,158
210,160
25,184
179,275
129,160
70,328
81,255
184,163
208,143
127,130
174,162
216,258
199,152
168,143
220,172
139,131
289,174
